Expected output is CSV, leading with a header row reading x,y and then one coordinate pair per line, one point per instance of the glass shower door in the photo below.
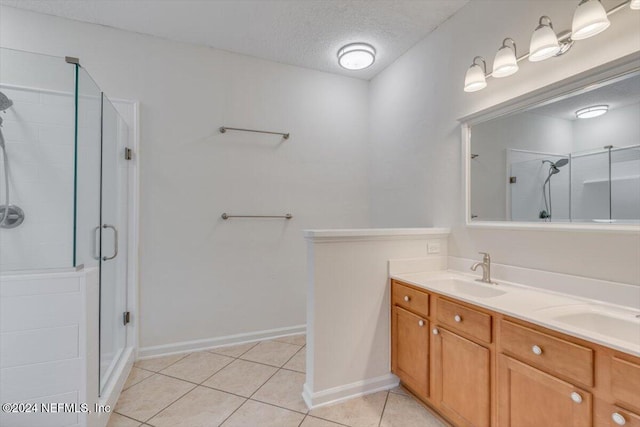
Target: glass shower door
x,y
113,242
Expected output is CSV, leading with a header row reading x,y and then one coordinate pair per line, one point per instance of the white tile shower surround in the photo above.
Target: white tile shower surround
x,y
249,385
39,134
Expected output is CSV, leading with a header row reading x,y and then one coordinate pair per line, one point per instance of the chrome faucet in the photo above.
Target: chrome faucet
x,y
486,268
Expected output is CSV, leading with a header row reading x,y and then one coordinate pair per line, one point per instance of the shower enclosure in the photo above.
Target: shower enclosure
x,y
65,335
597,185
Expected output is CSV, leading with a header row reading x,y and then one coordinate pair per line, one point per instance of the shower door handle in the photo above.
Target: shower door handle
x,y
115,242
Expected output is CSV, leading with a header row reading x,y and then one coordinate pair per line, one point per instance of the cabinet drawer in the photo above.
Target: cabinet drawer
x,y
409,298
622,417
464,319
550,353
625,382
613,416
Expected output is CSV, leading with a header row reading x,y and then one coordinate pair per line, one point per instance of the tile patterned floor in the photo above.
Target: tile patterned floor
x,y
249,385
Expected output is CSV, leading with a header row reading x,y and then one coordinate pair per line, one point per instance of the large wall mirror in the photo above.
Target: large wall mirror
x,y
572,158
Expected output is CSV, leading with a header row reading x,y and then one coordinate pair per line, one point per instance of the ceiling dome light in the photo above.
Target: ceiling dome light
x,y
506,61
356,56
589,19
544,41
591,112
635,4
475,79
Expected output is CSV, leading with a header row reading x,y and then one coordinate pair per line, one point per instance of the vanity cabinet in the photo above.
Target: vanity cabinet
x,y
410,337
528,397
480,368
462,375
411,350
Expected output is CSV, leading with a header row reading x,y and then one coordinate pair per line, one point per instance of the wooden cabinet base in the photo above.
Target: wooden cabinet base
x,y
462,373
528,397
479,368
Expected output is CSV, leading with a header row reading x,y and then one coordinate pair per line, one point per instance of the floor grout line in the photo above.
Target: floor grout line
x,y
212,350
126,416
234,411
278,406
328,420
386,399
180,397
264,383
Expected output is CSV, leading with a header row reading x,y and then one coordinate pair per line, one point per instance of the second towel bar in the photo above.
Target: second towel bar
x,y
227,216
224,129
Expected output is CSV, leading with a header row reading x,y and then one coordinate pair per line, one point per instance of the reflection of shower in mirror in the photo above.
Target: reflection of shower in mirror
x,y
553,169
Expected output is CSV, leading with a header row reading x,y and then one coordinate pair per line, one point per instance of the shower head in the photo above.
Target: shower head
x,y
5,102
554,166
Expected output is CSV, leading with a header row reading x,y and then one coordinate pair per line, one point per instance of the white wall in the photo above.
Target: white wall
x,y
349,301
415,136
202,277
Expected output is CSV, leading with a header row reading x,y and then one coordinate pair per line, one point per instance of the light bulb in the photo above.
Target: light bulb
x,y
589,19
356,56
506,62
475,79
544,41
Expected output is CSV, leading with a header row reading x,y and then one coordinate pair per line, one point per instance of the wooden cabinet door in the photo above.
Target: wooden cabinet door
x,y
410,350
528,397
462,379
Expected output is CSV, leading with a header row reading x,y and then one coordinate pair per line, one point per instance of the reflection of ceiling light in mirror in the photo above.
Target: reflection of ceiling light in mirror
x,y
589,19
591,112
635,4
356,56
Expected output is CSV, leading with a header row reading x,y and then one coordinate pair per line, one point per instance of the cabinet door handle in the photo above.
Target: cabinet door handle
x,y
421,323
618,418
407,298
457,318
435,331
536,350
576,397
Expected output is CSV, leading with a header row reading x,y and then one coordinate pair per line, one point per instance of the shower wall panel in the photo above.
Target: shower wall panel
x,y
39,134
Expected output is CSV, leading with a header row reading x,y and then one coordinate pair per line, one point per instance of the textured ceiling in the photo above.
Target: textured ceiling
x,y
307,33
619,94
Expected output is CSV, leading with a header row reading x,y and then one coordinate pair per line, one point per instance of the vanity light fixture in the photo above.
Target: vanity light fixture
x,y
544,41
475,78
356,56
591,112
506,60
589,19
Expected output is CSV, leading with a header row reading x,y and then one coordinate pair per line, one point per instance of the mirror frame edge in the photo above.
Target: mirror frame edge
x,y
573,83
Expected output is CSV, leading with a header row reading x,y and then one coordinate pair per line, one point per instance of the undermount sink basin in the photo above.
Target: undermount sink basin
x,y
474,289
604,323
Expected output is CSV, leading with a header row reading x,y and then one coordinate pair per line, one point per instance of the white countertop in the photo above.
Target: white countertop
x,y
540,307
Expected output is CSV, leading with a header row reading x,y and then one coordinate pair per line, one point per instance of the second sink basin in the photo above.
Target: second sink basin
x,y
474,289
604,323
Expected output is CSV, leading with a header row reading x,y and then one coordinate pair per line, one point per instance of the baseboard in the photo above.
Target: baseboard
x,y
348,391
208,343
